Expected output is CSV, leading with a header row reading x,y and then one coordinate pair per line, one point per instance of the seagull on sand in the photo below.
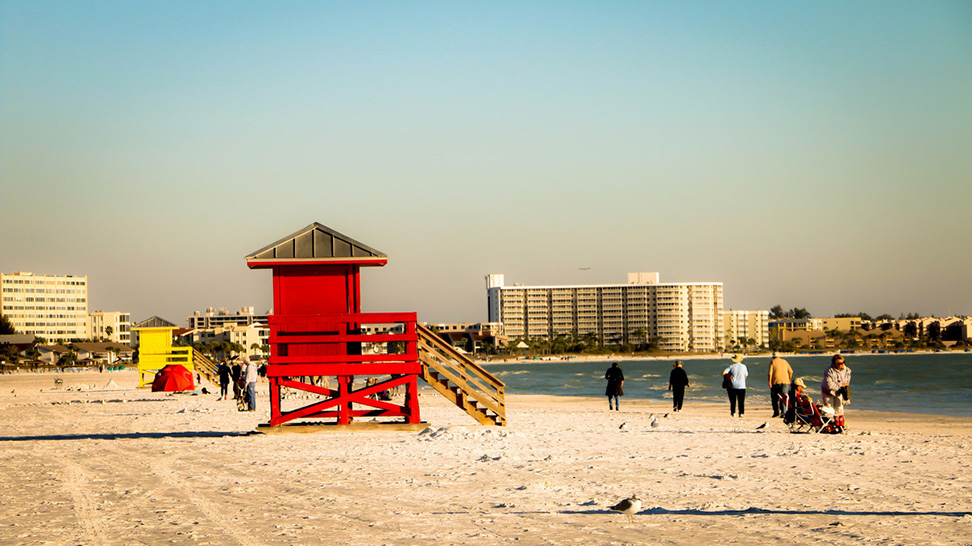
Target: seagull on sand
x,y
623,426
760,427
654,422
628,507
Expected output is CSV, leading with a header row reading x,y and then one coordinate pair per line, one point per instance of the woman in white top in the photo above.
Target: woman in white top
x,y
737,372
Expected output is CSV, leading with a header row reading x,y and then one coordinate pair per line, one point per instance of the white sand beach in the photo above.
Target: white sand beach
x,y
98,462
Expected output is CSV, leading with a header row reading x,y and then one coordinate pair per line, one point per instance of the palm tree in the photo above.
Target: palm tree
x,y
6,327
67,359
235,347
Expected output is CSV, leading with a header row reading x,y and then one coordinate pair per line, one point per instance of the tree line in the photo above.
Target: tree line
x,y
777,312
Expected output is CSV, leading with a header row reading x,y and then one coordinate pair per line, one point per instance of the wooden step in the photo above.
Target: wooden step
x,y
462,381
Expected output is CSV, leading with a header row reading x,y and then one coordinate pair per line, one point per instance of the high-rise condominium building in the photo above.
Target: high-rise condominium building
x,y
50,306
682,316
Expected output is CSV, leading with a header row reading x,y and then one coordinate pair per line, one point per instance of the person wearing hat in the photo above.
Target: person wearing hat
x,y
798,397
835,386
797,387
677,381
780,375
737,373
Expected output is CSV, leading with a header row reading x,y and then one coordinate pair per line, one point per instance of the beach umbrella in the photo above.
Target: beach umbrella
x,y
173,378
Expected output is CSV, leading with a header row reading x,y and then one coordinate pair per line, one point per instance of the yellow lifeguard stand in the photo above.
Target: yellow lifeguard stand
x,y
155,351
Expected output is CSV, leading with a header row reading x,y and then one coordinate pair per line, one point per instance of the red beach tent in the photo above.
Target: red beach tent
x,y
173,378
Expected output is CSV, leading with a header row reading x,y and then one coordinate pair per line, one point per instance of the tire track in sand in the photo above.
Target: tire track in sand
x,y
93,527
203,505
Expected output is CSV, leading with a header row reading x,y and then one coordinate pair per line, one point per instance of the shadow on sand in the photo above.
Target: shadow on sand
x,y
747,511
131,435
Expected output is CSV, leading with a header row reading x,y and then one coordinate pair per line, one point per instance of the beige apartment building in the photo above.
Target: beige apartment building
x,y
246,335
50,306
119,322
742,326
685,316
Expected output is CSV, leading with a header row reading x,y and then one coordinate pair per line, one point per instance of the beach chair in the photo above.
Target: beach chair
x,y
785,403
810,417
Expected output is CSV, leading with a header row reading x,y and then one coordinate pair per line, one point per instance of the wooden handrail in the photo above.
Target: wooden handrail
x,y
358,318
206,366
468,362
471,381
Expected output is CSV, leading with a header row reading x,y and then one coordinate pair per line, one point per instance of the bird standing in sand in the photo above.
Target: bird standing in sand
x,y
654,422
628,507
760,427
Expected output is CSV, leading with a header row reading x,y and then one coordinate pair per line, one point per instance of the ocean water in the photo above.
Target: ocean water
x,y
936,383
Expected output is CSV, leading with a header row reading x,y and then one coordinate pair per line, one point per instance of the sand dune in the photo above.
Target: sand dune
x,y
99,463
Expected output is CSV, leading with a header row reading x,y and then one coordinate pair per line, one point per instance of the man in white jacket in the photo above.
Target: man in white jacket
x,y
250,378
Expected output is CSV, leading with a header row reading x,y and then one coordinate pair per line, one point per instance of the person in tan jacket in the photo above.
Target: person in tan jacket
x,y
780,376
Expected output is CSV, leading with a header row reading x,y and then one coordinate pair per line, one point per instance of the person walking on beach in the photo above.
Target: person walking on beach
x,y
835,388
224,379
237,374
780,376
615,379
250,378
677,381
737,373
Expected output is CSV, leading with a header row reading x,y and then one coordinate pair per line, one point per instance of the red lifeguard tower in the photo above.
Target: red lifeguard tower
x,y
317,330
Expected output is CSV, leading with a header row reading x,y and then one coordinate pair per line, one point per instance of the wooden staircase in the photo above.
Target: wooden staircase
x,y
206,367
458,378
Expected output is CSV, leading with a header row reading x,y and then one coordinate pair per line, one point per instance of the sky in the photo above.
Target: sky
x,y
805,154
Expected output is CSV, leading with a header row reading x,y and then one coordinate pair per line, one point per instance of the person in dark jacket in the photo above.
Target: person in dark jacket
x,y
677,381
237,375
224,379
615,379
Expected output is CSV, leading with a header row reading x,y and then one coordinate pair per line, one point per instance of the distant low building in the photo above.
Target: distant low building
x,y
215,318
470,336
86,353
245,335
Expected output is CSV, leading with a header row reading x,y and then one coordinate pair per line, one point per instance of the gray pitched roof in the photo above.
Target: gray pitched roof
x,y
317,243
17,339
154,322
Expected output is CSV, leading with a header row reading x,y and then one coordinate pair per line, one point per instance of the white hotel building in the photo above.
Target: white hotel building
x,y
685,316
50,306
